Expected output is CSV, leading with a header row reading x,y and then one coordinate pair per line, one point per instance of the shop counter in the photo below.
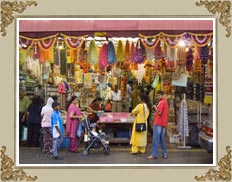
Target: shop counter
x,y
117,126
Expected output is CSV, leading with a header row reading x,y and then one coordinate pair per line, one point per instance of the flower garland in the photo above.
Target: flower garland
x,y
46,43
127,51
92,56
111,53
150,41
201,39
132,53
103,55
172,40
120,52
73,42
25,43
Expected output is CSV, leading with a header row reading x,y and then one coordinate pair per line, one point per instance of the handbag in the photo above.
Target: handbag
x,y
79,129
139,127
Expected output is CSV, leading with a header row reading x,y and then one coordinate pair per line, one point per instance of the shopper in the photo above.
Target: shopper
x,y
139,139
34,121
46,114
160,122
116,100
57,130
39,91
24,103
94,107
149,104
72,121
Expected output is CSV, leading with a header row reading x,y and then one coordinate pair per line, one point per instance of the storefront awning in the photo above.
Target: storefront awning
x,y
112,27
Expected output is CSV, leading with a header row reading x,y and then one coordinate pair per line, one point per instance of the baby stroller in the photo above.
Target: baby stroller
x,y
93,139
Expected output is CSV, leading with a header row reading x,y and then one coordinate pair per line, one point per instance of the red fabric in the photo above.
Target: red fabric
x,y
162,119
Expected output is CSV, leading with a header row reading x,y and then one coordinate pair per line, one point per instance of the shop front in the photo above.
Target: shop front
x,y
91,57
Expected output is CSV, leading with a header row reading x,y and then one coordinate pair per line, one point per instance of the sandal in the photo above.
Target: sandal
x,y
151,157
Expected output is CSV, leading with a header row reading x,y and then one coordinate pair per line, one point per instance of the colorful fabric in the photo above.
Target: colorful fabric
x,y
47,140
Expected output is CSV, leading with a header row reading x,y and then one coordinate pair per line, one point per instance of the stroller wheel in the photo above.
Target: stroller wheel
x,y
107,151
85,152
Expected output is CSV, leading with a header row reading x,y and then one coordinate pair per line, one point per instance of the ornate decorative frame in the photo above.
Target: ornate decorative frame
x,y
7,165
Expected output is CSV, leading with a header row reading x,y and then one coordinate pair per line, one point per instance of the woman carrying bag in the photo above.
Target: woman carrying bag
x,y
139,129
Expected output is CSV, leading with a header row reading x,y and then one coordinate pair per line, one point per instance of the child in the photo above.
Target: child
x,y
57,129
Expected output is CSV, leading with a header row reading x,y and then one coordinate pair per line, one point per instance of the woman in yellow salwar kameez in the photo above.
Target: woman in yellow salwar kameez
x,y
139,139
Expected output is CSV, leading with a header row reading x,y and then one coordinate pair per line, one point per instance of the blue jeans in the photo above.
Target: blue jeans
x,y
158,137
56,145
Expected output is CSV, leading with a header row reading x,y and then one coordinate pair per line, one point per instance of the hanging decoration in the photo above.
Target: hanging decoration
x,y
103,55
204,54
150,41
47,42
120,51
140,52
36,50
111,53
82,52
201,40
92,55
189,60
25,43
158,51
127,51
171,40
73,42
132,52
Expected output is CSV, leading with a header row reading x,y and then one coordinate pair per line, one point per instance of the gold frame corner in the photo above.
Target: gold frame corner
x,y
221,7
7,9
8,171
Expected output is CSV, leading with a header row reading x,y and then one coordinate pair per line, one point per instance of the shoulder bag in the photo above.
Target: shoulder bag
x,y
139,127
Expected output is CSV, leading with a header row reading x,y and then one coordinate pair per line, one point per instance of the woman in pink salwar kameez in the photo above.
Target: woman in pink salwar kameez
x,y
72,121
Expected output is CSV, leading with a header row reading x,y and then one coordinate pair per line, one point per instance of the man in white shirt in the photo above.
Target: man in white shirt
x,y
117,100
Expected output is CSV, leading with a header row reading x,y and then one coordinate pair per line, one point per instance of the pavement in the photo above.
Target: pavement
x,y
119,155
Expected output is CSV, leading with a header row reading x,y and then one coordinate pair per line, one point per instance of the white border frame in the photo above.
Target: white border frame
x,y
116,165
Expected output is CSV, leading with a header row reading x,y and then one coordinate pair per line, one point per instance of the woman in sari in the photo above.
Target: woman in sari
x,y
72,122
139,139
